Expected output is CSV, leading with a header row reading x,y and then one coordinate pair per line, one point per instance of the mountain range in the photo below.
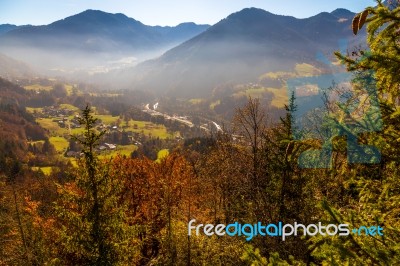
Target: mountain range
x,y
244,46
237,49
4,28
89,35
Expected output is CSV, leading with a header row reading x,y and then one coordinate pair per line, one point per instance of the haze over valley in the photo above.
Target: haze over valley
x,y
91,41
195,75
188,60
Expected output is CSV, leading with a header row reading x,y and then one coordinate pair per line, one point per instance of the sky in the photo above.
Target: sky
x,y
164,12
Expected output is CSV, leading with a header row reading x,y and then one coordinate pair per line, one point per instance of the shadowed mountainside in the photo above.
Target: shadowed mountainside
x,y
241,47
91,36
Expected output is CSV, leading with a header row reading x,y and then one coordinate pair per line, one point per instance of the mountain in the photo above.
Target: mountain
x,y
13,69
4,28
94,31
241,47
90,35
343,13
392,4
181,32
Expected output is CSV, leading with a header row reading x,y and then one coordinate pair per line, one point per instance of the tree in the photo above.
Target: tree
x,y
375,189
48,148
157,194
93,229
59,90
250,123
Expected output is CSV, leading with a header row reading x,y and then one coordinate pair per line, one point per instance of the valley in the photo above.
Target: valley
x,y
132,128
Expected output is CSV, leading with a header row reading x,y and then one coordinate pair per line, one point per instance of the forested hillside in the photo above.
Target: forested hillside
x,y
16,125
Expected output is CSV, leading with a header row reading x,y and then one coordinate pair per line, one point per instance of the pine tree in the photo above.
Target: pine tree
x,y
375,189
93,225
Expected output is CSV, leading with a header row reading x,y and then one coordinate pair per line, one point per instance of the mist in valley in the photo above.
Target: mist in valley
x,y
250,53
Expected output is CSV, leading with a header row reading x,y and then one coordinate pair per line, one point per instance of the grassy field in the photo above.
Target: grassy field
x,y
301,70
60,143
196,101
280,97
37,87
33,110
55,129
253,92
212,105
306,70
280,94
126,150
123,150
59,136
150,129
70,107
147,128
101,94
277,75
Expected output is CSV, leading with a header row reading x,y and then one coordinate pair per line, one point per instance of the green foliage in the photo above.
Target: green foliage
x,y
254,258
93,228
375,190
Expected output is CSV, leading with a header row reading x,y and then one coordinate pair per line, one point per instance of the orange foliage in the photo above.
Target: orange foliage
x,y
154,190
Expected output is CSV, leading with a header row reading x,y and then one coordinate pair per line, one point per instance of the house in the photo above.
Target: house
x,y
72,154
110,146
102,148
61,123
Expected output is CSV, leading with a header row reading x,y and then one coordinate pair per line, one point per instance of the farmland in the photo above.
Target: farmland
x,y
61,123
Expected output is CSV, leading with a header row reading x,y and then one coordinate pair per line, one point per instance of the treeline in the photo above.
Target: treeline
x,y
16,125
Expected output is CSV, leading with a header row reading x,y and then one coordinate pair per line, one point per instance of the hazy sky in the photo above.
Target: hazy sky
x,y
164,12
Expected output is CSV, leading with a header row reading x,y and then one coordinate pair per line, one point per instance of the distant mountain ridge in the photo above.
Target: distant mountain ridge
x,y
83,29
94,32
238,49
243,46
4,28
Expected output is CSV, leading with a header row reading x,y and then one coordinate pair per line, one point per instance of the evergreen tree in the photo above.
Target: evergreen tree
x,y
93,225
375,189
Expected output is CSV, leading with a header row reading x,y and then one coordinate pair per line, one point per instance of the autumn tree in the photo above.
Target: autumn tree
x,y
250,122
157,195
